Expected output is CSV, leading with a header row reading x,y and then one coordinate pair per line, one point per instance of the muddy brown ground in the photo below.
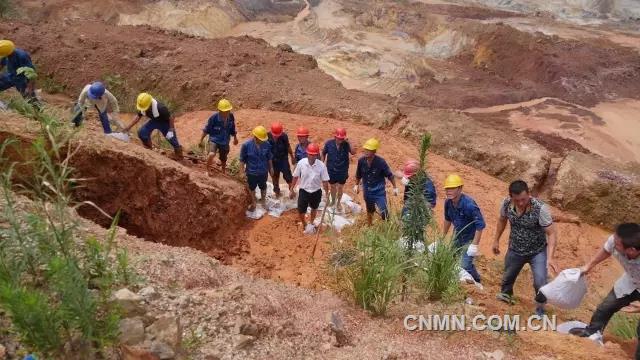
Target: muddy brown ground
x,y
504,66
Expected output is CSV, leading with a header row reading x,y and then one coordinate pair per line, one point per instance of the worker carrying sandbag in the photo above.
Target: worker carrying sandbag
x,y
220,127
624,246
96,96
281,153
566,291
336,155
372,170
159,119
256,159
18,67
462,211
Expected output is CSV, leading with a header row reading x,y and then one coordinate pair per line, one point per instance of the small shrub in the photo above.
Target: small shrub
x,y
55,283
376,275
437,275
624,325
234,169
50,85
6,8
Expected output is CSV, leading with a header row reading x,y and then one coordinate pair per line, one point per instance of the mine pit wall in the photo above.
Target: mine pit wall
x,y
158,199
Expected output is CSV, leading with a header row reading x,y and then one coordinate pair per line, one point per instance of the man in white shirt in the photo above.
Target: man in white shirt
x,y
313,176
624,246
96,96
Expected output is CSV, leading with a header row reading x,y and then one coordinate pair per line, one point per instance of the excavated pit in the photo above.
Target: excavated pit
x,y
158,199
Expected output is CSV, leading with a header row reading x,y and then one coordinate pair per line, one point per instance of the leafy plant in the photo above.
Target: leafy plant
x,y
119,87
55,283
50,85
375,265
376,275
417,212
28,72
436,277
624,325
234,168
6,8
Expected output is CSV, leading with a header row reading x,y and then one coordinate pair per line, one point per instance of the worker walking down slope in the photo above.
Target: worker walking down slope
x,y
256,160
465,215
313,176
532,240
336,155
159,119
303,141
624,246
95,95
220,127
372,170
281,152
14,59
410,169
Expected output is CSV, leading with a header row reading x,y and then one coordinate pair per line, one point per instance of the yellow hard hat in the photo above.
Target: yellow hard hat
x,y
452,181
260,132
224,105
144,102
371,144
6,47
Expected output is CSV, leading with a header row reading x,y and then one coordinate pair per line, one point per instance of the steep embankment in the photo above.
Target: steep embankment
x,y
192,73
158,199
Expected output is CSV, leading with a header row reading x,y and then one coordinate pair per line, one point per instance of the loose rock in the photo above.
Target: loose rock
x,y
129,301
131,331
166,329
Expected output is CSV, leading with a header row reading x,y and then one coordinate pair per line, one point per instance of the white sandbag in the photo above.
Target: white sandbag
x,y
597,338
417,246
340,221
120,136
566,326
309,229
463,275
567,290
3,106
257,214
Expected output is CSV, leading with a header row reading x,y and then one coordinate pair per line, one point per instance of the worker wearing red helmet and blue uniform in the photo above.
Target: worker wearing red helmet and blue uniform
x,y
281,152
336,155
303,141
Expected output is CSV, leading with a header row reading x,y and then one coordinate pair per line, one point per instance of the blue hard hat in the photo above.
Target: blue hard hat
x,y
96,90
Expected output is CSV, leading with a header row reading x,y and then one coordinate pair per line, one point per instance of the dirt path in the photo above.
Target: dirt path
x,y
576,242
278,250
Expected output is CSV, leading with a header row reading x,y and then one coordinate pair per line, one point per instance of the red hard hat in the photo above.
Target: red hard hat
x,y
341,133
302,131
411,167
276,129
313,149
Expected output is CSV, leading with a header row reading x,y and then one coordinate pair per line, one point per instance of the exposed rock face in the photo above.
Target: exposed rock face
x,y
464,139
600,190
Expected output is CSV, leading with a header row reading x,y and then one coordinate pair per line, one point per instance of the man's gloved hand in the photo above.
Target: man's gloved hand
x,y
473,250
356,189
395,191
170,134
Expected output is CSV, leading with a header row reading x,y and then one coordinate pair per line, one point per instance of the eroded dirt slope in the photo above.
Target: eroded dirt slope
x,y
192,72
157,198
